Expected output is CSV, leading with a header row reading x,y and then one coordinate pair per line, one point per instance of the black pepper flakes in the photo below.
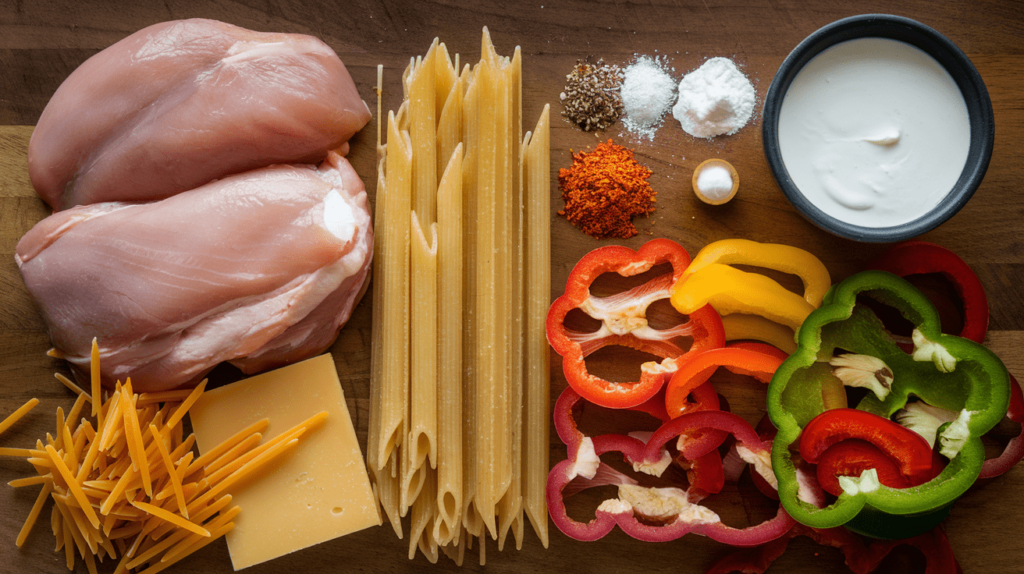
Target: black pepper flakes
x,y
591,97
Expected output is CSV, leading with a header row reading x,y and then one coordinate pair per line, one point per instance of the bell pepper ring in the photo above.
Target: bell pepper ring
x,y
696,368
700,449
945,371
920,257
909,451
1014,450
852,457
624,322
570,402
730,290
733,466
784,258
690,381
691,517
704,474
711,279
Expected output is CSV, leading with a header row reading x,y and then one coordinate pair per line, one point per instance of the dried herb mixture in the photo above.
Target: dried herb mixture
x,y
591,97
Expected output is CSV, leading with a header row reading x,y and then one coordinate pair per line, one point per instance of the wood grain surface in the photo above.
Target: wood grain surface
x,y
41,42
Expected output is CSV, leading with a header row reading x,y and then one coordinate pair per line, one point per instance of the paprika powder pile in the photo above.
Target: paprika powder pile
x,y
604,189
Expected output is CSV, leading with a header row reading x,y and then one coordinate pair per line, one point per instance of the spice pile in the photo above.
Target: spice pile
x,y
604,189
591,97
714,99
648,93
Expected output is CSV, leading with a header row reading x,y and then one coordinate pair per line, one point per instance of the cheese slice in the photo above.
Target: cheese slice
x,y
317,493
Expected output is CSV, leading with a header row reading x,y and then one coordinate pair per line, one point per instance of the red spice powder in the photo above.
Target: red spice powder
x,y
604,189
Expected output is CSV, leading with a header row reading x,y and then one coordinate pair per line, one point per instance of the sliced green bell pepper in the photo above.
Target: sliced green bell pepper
x,y
943,370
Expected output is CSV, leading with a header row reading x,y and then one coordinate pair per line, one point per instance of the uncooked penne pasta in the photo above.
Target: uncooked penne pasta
x,y
423,133
395,312
505,260
422,443
449,387
421,531
387,484
470,516
487,52
422,413
536,393
510,510
449,128
490,366
469,255
445,75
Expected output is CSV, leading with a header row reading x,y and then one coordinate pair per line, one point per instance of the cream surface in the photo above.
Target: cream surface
x,y
874,132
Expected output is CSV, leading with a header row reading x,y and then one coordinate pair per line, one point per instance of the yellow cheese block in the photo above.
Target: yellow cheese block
x,y
318,492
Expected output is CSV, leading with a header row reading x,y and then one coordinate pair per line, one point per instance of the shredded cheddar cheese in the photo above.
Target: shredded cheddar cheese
x,y
127,485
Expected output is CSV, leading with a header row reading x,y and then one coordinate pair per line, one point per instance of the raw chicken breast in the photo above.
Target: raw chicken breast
x,y
179,104
260,269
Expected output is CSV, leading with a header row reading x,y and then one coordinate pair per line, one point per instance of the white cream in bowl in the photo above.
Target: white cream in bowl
x,y
874,132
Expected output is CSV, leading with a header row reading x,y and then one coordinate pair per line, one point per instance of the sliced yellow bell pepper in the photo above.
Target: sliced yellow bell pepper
x,y
730,290
711,279
784,258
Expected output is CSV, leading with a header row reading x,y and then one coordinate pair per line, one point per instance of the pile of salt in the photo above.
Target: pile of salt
x,y
715,183
647,95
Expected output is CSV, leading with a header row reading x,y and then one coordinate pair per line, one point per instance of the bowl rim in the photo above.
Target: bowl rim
x,y
965,75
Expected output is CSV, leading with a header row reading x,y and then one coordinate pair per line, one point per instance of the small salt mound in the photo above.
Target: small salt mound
x,y
715,183
648,93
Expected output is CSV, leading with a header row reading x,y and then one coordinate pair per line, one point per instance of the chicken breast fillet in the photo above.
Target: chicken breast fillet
x,y
181,103
260,269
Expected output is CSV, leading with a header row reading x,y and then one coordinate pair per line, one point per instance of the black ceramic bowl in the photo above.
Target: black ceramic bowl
x,y
979,109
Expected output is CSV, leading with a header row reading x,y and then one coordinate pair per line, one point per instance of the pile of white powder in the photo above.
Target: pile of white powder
x,y
647,95
714,99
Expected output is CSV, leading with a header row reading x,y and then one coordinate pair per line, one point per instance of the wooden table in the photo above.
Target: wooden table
x,y
42,42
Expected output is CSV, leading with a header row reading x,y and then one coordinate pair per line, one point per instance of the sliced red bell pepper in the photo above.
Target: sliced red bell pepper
x,y
704,469
705,398
733,466
918,257
907,449
690,381
851,458
624,322
696,368
705,475
693,518
1014,450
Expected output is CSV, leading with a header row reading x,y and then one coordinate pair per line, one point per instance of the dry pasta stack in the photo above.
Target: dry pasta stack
x,y
459,393
129,488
